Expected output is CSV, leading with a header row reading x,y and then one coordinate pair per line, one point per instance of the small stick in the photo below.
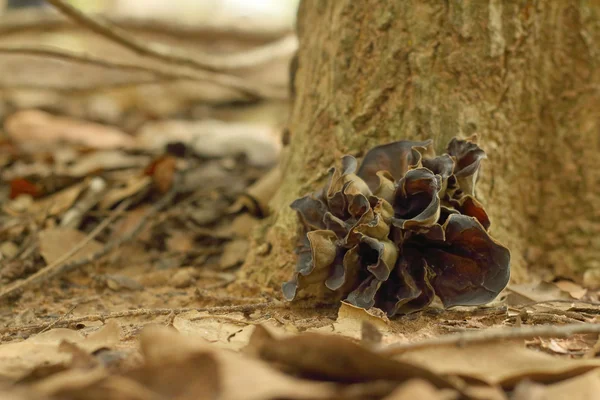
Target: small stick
x,y
493,335
62,317
57,268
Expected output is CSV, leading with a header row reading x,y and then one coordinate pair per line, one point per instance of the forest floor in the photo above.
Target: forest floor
x,y
121,255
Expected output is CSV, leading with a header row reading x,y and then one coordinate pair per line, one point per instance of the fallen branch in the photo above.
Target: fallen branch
x,y
493,335
229,81
57,268
284,47
244,308
34,20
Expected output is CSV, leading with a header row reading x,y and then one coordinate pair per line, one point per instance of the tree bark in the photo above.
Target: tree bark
x,y
523,75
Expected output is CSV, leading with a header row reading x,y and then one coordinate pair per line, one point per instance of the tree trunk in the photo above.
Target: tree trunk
x,y
523,75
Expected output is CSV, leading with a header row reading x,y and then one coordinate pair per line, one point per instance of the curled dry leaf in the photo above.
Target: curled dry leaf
x,y
399,230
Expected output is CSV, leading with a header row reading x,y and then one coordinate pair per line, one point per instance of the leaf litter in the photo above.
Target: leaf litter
x,y
134,217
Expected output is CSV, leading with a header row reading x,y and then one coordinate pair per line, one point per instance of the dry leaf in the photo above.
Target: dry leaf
x,y
535,292
55,242
421,390
131,187
499,363
241,377
572,288
213,138
584,387
102,161
335,358
52,205
17,359
234,253
35,129
162,171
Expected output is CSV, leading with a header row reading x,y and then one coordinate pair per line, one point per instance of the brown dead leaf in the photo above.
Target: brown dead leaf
x,y
535,292
52,205
572,288
55,242
421,390
162,171
20,186
350,322
35,129
131,220
334,358
499,363
180,241
102,161
234,253
241,377
213,138
131,187
584,387
17,359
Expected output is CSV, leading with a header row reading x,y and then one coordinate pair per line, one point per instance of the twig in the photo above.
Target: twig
x,y
493,335
142,312
169,74
57,268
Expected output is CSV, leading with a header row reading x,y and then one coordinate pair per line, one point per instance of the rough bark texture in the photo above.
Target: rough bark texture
x,y
524,75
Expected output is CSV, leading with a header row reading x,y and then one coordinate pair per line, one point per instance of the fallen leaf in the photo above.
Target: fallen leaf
x,y
572,288
55,242
162,171
350,321
212,138
584,387
335,358
422,390
131,187
20,186
102,161
535,292
499,363
180,241
241,377
234,253
17,359
33,129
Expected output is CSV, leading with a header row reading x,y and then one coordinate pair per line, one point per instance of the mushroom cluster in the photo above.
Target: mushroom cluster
x,y
398,230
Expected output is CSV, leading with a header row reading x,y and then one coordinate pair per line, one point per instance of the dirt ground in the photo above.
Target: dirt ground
x,y
131,191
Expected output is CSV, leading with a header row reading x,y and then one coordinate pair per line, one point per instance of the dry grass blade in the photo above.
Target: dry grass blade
x,y
494,335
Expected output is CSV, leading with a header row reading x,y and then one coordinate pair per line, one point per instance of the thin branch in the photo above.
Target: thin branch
x,y
209,62
40,20
493,335
56,269
138,312
228,81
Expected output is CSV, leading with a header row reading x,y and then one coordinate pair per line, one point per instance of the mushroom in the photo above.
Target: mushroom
x,y
399,230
